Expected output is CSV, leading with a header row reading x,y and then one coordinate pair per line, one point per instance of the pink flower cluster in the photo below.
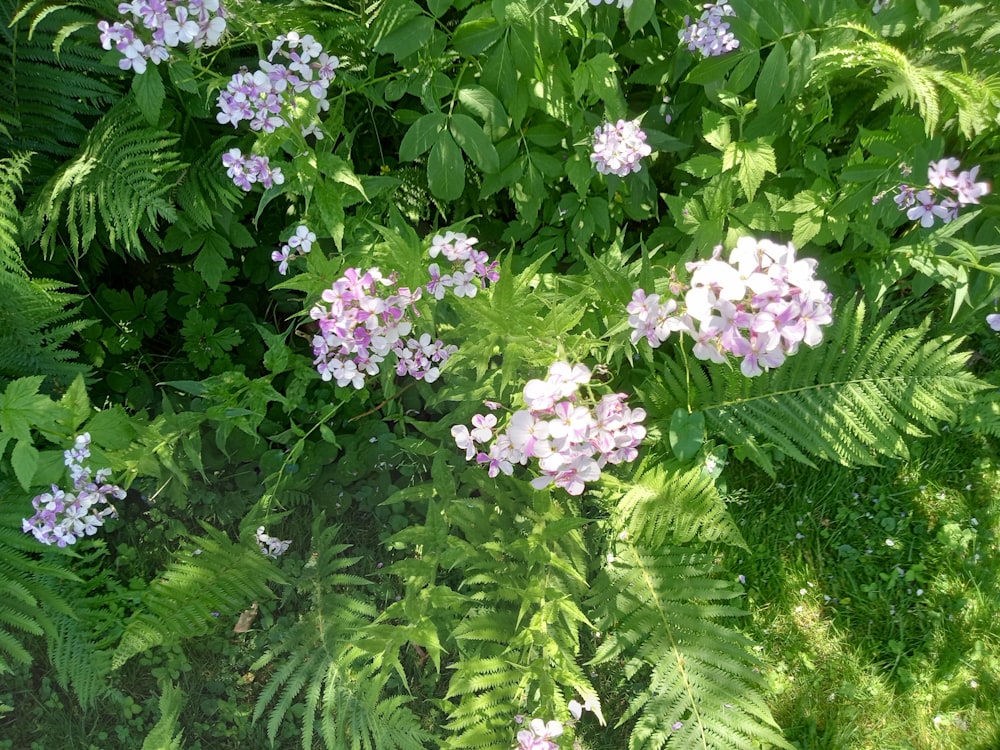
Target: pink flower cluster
x,y
759,307
250,169
538,735
198,22
571,439
420,358
710,35
298,246
619,148
62,517
467,265
359,328
273,93
271,546
954,189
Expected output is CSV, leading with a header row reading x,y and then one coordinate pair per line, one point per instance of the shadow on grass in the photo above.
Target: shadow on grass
x,y
873,594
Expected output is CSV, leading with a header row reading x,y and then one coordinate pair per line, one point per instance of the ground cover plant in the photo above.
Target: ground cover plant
x,y
498,374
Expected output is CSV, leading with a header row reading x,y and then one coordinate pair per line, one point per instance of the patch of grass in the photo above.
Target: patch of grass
x,y
873,595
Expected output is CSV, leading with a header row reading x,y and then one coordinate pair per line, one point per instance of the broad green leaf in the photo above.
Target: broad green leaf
x,y
475,36
482,103
716,129
702,166
475,143
24,461
340,170
422,135
743,74
149,93
687,433
714,69
638,13
800,64
446,168
773,79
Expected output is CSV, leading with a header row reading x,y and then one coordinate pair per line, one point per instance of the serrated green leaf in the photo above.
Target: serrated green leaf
x,y
149,93
752,161
24,462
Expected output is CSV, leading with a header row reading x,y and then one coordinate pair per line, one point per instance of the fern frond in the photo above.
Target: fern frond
x,y
850,400
664,612
122,177
164,734
37,318
12,171
223,576
320,658
55,87
912,82
982,414
670,503
28,587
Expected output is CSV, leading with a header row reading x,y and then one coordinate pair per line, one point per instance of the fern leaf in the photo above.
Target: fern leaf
x,y
12,171
224,576
164,734
668,502
664,613
121,178
850,400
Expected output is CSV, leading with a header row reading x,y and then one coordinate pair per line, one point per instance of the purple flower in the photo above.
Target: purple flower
x,y
619,148
993,321
710,35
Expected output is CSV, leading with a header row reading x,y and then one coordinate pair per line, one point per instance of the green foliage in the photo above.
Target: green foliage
x,y
211,574
28,586
666,614
325,657
849,401
123,175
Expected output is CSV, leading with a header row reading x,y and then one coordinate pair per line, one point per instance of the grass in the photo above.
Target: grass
x,y
873,595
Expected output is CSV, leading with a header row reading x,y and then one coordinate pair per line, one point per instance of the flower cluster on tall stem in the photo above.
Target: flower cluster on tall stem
x,y
275,94
359,328
246,171
947,191
758,307
710,34
200,23
64,516
573,438
471,269
298,246
619,148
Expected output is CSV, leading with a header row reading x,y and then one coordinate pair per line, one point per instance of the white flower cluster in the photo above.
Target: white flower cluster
x,y
270,96
619,148
572,438
62,517
758,307
298,246
271,546
467,265
198,22
624,4
710,34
